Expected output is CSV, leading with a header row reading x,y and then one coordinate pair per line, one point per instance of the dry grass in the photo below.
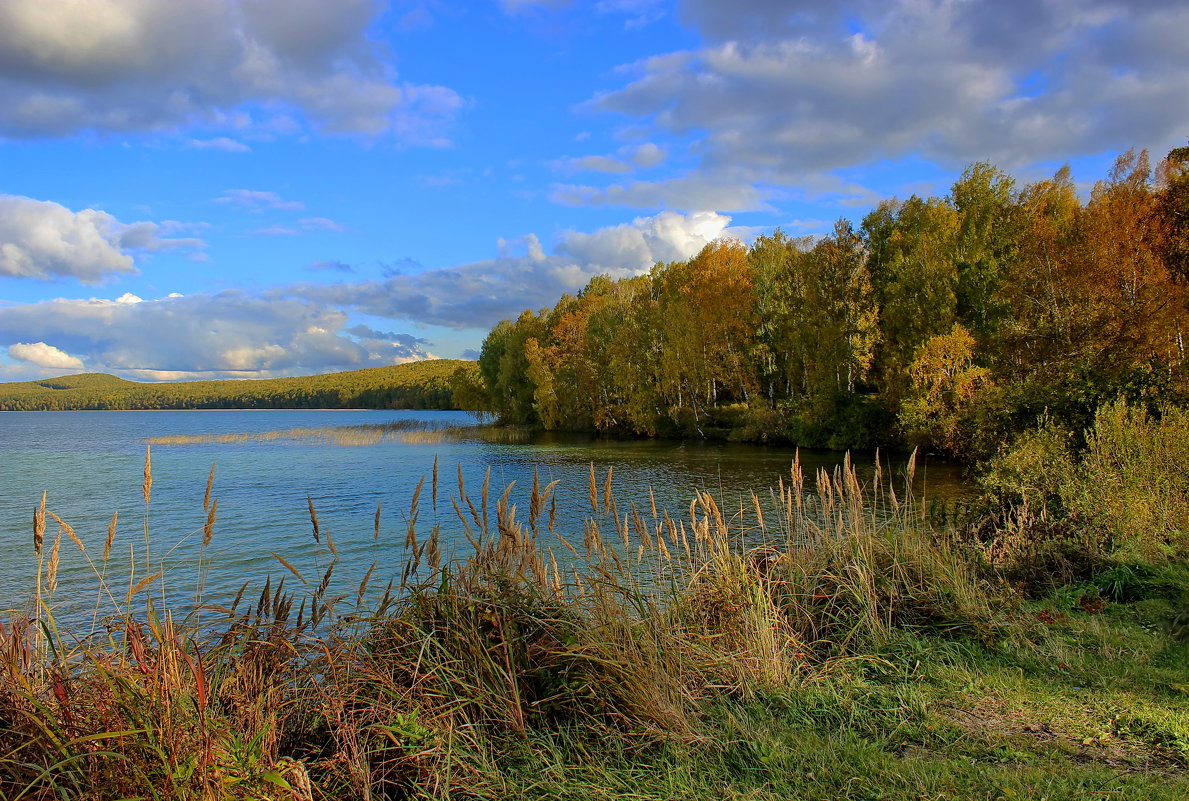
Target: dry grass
x,y
304,692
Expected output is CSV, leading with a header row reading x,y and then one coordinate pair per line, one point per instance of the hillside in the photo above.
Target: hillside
x,y
416,385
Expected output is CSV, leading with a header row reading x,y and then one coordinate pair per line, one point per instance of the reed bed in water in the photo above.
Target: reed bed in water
x,y
619,633
367,434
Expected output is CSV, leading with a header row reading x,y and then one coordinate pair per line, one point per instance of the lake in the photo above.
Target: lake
x,y
267,463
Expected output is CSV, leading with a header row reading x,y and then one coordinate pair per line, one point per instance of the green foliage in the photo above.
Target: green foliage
x,y
415,385
966,319
1060,513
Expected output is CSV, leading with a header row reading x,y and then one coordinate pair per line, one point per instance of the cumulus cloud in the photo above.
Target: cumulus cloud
x,y
647,155
479,294
727,189
597,164
43,355
787,89
230,334
44,240
147,65
627,159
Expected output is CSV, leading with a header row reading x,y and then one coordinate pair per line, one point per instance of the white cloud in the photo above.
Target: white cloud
x,y
647,155
784,91
728,189
639,12
44,240
255,200
43,355
230,334
515,7
479,294
320,224
219,143
640,244
627,159
303,225
148,65
597,164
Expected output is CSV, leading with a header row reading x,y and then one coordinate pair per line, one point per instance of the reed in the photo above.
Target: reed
x,y
623,632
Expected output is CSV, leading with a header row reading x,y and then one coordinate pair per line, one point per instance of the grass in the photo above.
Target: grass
x,y
828,644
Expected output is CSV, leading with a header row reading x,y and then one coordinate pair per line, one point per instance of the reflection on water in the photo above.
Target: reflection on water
x,y
407,431
271,465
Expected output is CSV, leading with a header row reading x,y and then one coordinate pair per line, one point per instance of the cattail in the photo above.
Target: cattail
x,y
376,537
594,492
39,525
209,529
111,536
607,489
147,487
210,480
314,519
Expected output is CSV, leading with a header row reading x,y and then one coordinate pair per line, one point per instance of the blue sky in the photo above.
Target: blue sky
x,y
251,188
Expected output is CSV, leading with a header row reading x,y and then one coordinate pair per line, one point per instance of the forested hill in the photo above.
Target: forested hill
x,y
416,385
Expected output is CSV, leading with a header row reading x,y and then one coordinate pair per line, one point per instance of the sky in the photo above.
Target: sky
x,y
257,188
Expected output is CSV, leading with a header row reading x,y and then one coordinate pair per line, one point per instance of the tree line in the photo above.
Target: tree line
x,y
947,322
415,385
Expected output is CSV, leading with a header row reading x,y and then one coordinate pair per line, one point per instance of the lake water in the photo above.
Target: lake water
x,y
268,462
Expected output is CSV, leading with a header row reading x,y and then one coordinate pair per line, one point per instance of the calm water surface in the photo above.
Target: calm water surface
x,y
268,462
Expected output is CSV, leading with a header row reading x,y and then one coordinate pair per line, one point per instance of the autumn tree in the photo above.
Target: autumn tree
x,y
985,245
708,324
1172,211
945,384
914,276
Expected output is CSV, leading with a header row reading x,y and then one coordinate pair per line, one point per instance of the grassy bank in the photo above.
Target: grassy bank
x,y
837,645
